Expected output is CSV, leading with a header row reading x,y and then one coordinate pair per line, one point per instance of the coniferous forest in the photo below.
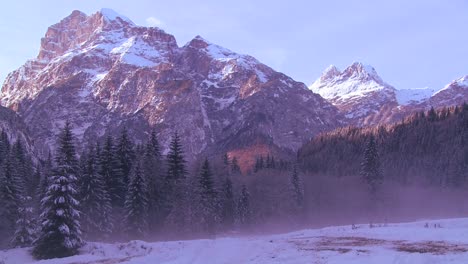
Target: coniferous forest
x,y
119,190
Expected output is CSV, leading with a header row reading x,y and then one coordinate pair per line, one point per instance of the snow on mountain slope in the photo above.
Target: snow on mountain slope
x,y
416,95
435,241
365,99
454,93
358,92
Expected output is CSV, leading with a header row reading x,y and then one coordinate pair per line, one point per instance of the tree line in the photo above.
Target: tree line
x,y
427,148
119,190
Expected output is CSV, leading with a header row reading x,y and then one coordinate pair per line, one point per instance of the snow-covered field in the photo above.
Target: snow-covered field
x,y
435,241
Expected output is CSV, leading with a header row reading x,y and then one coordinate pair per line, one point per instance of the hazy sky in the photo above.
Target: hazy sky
x,y
411,43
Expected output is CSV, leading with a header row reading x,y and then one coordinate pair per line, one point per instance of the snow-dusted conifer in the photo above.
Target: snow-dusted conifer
x,y
228,205
136,204
207,199
151,169
60,231
10,197
244,213
110,170
94,199
25,231
125,154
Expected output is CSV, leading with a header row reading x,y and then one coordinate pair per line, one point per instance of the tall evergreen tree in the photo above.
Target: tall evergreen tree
x,y
244,213
207,195
25,231
94,199
297,191
151,168
228,204
4,146
370,166
176,172
178,195
126,155
24,168
110,170
136,204
60,231
10,198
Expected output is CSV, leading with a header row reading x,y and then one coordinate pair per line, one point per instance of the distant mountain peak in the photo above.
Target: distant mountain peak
x,y
362,71
356,80
330,72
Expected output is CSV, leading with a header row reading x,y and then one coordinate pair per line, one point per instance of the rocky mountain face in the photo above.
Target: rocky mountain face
x,y
12,124
364,98
102,72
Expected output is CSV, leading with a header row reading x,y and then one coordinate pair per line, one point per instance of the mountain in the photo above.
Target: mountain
x,y
365,99
454,93
102,73
358,92
12,124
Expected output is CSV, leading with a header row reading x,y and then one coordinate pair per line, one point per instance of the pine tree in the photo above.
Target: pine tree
x,y
151,171
370,166
178,195
207,195
110,170
23,168
228,204
25,226
126,155
136,204
94,199
176,172
297,191
10,198
43,183
244,214
4,146
60,233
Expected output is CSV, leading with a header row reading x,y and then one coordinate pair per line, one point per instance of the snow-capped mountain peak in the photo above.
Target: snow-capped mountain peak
x,y
110,15
330,73
460,83
361,71
356,80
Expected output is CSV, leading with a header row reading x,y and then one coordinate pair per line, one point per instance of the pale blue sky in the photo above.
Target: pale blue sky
x,y
411,44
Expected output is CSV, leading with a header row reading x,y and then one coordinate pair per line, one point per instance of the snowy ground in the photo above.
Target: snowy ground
x,y
441,241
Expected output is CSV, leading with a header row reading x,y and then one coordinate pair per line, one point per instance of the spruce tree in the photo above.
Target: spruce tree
x,y
228,204
244,213
25,226
10,198
178,197
370,167
176,172
94,199
136,204
126,155
60,231
297,191
110,170
151,171
4,146
208,205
